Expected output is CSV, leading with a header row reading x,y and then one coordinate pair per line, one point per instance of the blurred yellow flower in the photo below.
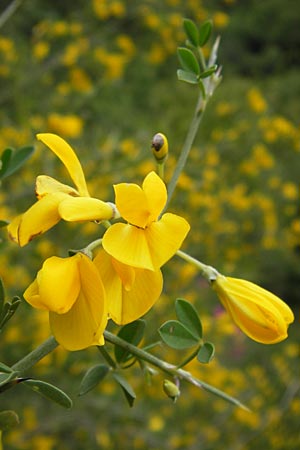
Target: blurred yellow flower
x,y
261,315
256,101
58,201
147,241
65,125
72,291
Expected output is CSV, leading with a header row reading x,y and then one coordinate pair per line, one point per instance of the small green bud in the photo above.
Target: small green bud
x,y
160,147
171,390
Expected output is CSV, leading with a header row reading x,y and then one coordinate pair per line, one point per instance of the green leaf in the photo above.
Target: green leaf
x,y
17,159
188,77
126,388
5,161
188,316
8,419
208,72
5,368
205,32
191,31
93,377
50,392
2,295
133,333
188,60
176,335
206,353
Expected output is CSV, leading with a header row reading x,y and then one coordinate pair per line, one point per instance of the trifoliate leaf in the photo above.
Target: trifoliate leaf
x,y
187,315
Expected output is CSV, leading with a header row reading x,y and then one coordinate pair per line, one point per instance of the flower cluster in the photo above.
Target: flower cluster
x,y
124,279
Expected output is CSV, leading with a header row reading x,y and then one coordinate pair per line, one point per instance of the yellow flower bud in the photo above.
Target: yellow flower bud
x,y
260,314
171,390
160,147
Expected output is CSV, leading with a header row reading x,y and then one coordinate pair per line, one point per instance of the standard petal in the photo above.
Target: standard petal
x,y
59,283
165,237
83,325
128,244
68,157
132,204
47,185
156,194
126,305
39,218
75,209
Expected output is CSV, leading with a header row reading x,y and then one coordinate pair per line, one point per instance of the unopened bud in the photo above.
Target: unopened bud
x,y
160,147
171,390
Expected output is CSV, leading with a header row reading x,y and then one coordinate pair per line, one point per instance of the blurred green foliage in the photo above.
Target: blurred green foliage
x,y
102,74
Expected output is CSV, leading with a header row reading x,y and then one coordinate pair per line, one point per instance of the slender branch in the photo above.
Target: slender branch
x,y
208,272
36,355
187,145
170,369
9,11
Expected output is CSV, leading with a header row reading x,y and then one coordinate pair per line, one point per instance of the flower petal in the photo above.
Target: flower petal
x,y
128,244
47,185
165,237
156,194
58,284
39,218
83,325
75,209
68,157
126,305
257,312
132,204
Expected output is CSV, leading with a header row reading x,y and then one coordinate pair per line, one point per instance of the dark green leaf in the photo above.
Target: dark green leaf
x,y
126,388
191,31
2,295
3,223
50,392
5,161
205,32
188,77
176,335
187,315
17,160
188,60
8,419
208,72
93,377
133,333
206,353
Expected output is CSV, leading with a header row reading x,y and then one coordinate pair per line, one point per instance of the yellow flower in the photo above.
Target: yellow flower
x,y
146,241
130,292
72,291
260,314
58,201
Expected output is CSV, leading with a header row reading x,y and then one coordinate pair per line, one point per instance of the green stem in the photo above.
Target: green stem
x,y
36,355
107,356
208,272
170,369
89,248
9,11
187,145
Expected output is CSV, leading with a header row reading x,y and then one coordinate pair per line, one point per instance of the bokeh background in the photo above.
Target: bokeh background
x,y
102,74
